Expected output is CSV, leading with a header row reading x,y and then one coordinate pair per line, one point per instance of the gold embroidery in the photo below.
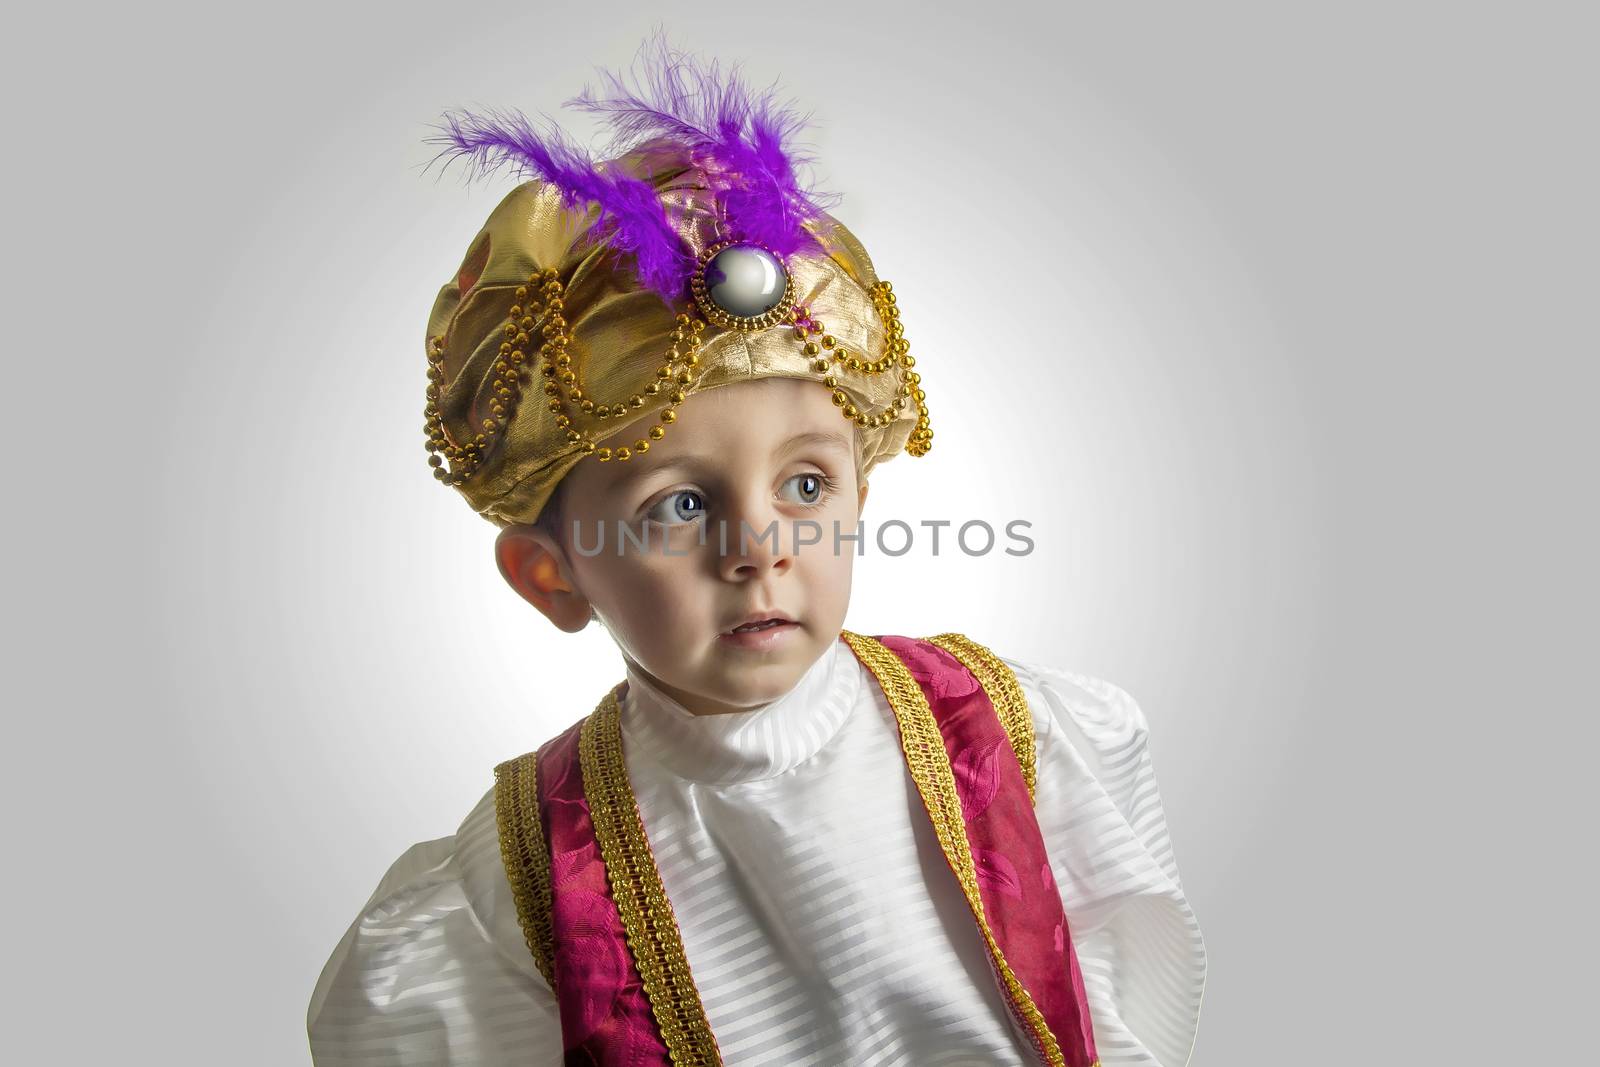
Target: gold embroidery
x,y
1000,683
525,855
930,768
647,916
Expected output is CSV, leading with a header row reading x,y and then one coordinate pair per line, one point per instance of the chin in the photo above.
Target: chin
x,y
758,683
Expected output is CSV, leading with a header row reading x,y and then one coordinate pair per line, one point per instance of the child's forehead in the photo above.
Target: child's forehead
x,y
721,425
735,440
766,447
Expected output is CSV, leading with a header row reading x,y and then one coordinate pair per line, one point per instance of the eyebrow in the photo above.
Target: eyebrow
x,y
814,439
800,441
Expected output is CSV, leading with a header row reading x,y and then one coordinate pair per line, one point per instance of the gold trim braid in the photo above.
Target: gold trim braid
x,y
930,768
525,855
641,900
1000,683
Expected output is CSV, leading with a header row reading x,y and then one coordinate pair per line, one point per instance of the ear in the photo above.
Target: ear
x,y
861,498
535,566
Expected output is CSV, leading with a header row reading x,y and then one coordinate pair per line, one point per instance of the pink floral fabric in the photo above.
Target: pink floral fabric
x,y
605,1013
1020,899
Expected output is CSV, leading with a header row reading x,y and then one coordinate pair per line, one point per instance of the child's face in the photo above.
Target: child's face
x,y
760,457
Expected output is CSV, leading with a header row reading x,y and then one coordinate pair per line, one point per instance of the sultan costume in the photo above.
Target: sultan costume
x,y
924,853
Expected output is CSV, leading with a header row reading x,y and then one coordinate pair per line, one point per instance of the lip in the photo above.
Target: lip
x,y
758,616
761,640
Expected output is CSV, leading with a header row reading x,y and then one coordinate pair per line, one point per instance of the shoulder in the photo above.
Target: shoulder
x,y
488,890
1092,709
1089,709
1101,815
451,870
1095,756
1091,726
523,762
430,944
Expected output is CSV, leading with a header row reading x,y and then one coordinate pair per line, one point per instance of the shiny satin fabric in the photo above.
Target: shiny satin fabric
x,y
621,331
793,844
606,1016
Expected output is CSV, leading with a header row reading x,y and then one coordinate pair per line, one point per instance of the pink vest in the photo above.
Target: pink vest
x,y
603,932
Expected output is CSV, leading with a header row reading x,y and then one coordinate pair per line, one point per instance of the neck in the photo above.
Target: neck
x,y
694,703
722,748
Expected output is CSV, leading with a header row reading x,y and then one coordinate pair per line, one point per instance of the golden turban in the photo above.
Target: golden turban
x,y
541,311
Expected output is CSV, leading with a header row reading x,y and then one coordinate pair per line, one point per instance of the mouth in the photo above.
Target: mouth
x,y
763,632
760,622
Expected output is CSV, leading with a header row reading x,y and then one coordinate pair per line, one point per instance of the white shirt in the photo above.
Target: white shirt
x,y
821,922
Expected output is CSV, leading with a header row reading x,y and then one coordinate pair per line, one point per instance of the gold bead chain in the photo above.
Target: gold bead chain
x,y
562,385
826,351
542,298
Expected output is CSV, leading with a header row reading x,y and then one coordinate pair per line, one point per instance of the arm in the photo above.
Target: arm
x,y
1099,808
420,979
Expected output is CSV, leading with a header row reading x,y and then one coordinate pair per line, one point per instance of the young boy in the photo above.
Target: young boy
x,y
777,841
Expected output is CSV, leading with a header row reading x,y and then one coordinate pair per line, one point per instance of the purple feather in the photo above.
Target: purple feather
x,y
743,140
633,219
739,139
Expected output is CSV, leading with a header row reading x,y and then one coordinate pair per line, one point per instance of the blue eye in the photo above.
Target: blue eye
x,y
676,508
813,487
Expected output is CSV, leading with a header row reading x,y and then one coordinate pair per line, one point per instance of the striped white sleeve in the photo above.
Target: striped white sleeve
x,y
434,970
1099,808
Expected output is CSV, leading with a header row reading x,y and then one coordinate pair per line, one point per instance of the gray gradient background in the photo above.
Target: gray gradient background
x,y
1275,320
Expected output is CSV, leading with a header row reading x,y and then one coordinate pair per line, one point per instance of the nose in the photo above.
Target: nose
x,y
752,541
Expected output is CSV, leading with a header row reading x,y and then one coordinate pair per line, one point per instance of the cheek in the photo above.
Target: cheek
x,y
832,569
644,591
